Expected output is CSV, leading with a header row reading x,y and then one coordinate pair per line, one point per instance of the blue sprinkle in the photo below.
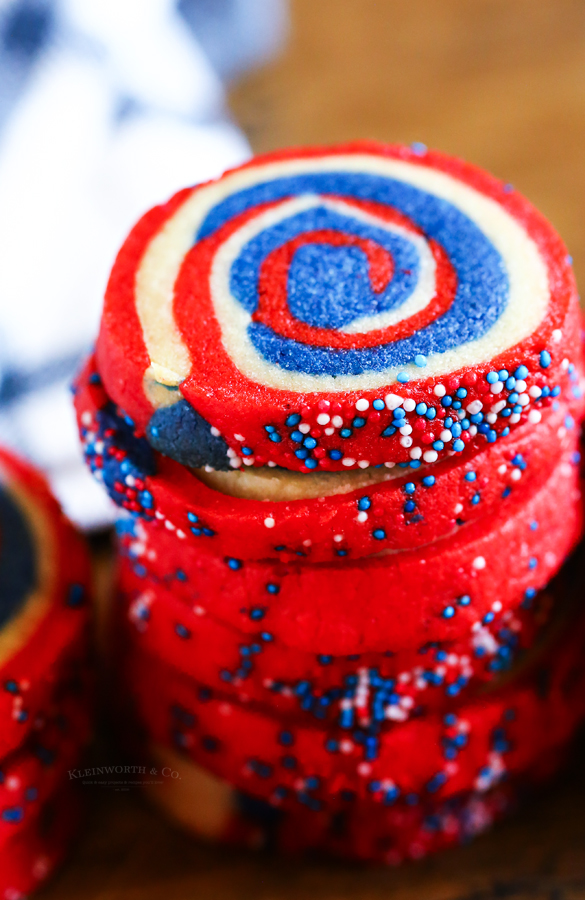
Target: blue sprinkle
x,y
346,432
364,503
555,391
489,617
461,393
471,476
448,612
311,463
476,499
420,360
335,454
428,480
415,464
492,377
234,564
402,377
272,588
269,428
510,383
399,413
446,401
379,534
301,454
418,148
438,445
431,413
530,593
310,443
465,600
247,451
293,419
297,437
421,409
569,422
458,446
521,372
456,404
208,532
266,636
533,563
409,506
456,430
182,631
388,432
410,487
378,404
274,437
545,359
503,375
358,422
257,613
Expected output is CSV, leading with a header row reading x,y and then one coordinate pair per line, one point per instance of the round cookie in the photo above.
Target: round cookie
x,y
434,593
320,309
342,513
214,811
359,689
500,734
44,577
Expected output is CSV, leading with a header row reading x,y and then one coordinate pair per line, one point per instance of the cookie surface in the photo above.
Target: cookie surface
x,y
308,308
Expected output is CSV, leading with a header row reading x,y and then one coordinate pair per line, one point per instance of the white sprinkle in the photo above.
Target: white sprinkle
x,y
248,461
565,363
497,388
461,414
409,404
393,401
498,407
534,416
239,437
406,441
497,606
561,432
406,429
492,418
416,453
557,335
269,522
389,465
520,386
516,474
430,456
323,419
271,463
523,399
446,436
158,514
535,391
329,431
362,404
474,407
479,562
215,431
364,463
514,419
304,428
209,468
362,516
130,480
86,418
181,534
231,453
472,430
439,390
502,469
307,543
169,525
337,538
458,509
364,769
348,461
346,746
337,421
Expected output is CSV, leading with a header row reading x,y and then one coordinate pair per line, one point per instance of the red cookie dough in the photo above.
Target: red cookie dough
x,y
503,733
302,686
418,506
400,599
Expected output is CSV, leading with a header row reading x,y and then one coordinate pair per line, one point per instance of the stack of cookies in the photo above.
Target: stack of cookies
x,y
44,701
338,393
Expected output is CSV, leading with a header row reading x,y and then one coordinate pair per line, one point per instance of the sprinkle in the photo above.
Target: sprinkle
x,y
420,360
239,437
234,564
410,487
439,390
428,480
348,461
378,404
269,522
362,404
304,428
458,446
448,612
479,563
402,377
379,534
418,148
292,420
393,401
430,456
337,421
409,404
497,387
492,378
415,453
545,359
470,476
474,407
323,419
534,416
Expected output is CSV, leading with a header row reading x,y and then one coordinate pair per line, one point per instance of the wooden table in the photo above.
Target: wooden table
x,y
502,83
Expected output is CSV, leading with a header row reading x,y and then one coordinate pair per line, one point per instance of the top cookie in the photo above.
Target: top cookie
x,y
339,307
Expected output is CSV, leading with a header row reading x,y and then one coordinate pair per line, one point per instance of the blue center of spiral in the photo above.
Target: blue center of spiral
x,y
318,288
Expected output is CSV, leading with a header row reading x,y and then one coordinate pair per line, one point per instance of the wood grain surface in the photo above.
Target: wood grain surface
x,y
501,83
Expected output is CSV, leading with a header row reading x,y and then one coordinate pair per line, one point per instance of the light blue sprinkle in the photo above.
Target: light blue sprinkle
x,y
420,360
378,404
402,377
492,377
545,359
